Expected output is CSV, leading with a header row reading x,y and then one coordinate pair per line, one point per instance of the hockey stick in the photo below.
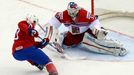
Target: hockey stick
x,y
63,54
45,31
66,56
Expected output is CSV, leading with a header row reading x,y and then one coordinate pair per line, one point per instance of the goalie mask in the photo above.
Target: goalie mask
x,y
73,9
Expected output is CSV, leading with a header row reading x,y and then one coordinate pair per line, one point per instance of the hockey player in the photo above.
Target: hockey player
x,y
84,28
26,48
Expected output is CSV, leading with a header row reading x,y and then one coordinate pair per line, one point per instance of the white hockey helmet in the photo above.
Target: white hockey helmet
x,y
32,19
72,9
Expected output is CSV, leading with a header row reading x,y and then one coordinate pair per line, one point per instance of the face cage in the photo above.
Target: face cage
x,y
73,12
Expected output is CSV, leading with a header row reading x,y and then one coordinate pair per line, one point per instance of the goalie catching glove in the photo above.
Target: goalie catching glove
x,y
100,33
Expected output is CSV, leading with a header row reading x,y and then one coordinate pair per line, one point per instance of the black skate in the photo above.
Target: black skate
x,y
40,67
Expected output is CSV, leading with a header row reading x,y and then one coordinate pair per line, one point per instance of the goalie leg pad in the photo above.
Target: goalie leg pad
x,y
103,46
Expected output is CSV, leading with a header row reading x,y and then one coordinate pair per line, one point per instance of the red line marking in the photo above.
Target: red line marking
x,y
96,47
122,33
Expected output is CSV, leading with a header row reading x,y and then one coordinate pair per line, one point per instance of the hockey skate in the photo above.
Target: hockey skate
x,y
105,46
115,46
122,52
40,67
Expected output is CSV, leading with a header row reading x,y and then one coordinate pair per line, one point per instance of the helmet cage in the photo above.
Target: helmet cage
x,y
72,9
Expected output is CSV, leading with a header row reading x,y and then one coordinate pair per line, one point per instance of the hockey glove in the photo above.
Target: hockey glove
x,y
32,32
43,43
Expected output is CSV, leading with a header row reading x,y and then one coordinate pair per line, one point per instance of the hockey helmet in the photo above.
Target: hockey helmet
x,y
72,9
32,19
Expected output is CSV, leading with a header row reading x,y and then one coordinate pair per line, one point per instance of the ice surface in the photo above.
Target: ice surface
x,y
13,11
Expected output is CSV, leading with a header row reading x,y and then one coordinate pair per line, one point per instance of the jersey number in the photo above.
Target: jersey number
x,y
16,34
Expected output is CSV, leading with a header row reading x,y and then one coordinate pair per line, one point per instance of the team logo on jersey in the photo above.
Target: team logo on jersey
x,y
19,48
75,29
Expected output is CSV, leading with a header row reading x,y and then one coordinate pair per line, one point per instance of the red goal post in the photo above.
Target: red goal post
x,y
92,7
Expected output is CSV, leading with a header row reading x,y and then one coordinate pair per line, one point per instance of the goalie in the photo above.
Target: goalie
x,y
85,29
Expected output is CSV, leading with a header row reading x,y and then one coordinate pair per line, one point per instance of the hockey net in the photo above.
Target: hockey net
x,y
107,14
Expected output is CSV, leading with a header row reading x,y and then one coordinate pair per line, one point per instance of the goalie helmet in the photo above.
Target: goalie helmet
x,y
72,9
32,19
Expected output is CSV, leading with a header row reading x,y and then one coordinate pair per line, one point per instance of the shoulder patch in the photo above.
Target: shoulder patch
x,y
59,15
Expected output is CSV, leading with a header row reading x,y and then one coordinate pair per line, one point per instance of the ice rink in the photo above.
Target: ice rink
x,y
12,11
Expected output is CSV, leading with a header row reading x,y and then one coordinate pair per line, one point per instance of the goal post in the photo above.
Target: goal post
x,y
92,7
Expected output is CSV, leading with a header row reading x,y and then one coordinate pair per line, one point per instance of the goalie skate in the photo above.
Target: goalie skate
x,y
104,46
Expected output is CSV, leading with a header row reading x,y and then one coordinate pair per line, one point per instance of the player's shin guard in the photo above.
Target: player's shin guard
x,y
104,46
51,69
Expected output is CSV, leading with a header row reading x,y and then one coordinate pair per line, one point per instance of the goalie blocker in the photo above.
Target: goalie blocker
x,y
103,46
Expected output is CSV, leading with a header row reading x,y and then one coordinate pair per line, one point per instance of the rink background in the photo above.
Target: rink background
x,y
13,11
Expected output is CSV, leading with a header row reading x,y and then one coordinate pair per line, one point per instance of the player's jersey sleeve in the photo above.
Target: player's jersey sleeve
x,y
86,16
23,27
36,43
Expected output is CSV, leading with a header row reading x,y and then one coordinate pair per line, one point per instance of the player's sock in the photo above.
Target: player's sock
x,y
51,69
